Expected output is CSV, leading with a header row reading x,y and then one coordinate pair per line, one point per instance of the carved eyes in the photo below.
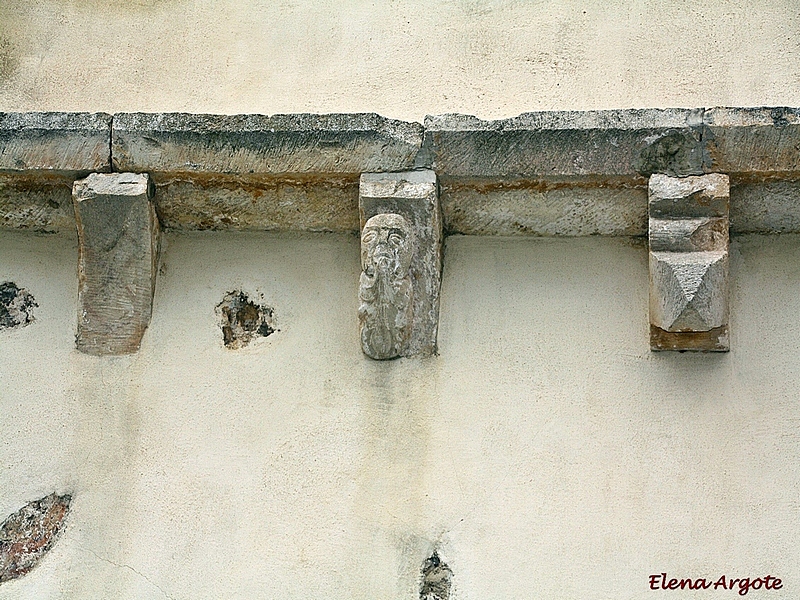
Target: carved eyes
x,y
395,237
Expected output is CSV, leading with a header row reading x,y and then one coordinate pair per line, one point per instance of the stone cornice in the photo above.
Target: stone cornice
x,y
545,173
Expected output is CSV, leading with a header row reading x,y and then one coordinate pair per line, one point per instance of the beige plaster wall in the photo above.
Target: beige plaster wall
x,y
403,59
546,452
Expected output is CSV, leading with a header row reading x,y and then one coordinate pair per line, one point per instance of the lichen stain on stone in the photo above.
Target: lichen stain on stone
x,y
242,320
28,534
436,579
16,306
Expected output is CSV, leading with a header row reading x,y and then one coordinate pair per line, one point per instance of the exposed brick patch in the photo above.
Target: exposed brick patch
x,y
28,534
436,579
241,320
16,306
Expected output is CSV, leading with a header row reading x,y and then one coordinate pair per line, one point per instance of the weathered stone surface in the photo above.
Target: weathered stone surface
x,y
16,306
285,172
555,144
118,252
28,534
41,154
385,289
765,205
412,195
242,320
36,200
247,144
692,290
714,340
72,142
546,208
545,173
437,579
263,203
687,197
752,140
689,242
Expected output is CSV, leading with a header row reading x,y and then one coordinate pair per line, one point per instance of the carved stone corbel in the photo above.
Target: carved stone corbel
x,y
401,262
689,243
117,260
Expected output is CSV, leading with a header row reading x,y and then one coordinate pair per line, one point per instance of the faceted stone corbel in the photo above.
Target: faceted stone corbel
x,y
401,261
689,262
118,236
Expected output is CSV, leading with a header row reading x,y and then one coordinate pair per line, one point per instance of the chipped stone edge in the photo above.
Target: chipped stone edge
x,y
759,147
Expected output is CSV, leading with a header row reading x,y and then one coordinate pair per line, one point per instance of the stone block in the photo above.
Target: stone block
x,y
37,200
765,205
544,208
258,144
118,235
27,535
752,140
401,259
689,242
41,155
284,172
76,143
544,145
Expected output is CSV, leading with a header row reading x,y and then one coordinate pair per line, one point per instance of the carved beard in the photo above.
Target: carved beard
x,y
385,309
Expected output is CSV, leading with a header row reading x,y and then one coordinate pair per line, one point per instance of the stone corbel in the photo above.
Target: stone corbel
x,y
118,235
401,261
689,243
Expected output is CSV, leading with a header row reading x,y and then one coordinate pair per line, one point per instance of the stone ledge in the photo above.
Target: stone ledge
x,y
296,172
257,144
543,173
558,144
74,143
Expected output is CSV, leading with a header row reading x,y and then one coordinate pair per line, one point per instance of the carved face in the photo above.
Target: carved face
x,y
387,244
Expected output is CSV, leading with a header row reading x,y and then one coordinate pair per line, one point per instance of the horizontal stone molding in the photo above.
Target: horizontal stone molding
x,y
541,173
75,143
544,145
257,144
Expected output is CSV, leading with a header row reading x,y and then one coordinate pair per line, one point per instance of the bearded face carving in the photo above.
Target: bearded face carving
x,y
385,291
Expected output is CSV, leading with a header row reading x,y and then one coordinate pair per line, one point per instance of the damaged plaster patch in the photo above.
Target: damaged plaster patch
x,y
241,320
16,306
28,534
436,579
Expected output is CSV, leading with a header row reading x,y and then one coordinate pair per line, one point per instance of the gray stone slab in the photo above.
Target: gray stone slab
x,y
752,140
78,143
258,144
412,198
118,237
555,144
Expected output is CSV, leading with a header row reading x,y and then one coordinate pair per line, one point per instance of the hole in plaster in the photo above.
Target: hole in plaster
x,y
436,579
241,320
16,306
28,534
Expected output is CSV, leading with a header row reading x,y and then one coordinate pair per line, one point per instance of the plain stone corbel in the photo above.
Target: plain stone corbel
x,y
401,260
689,243
118,235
